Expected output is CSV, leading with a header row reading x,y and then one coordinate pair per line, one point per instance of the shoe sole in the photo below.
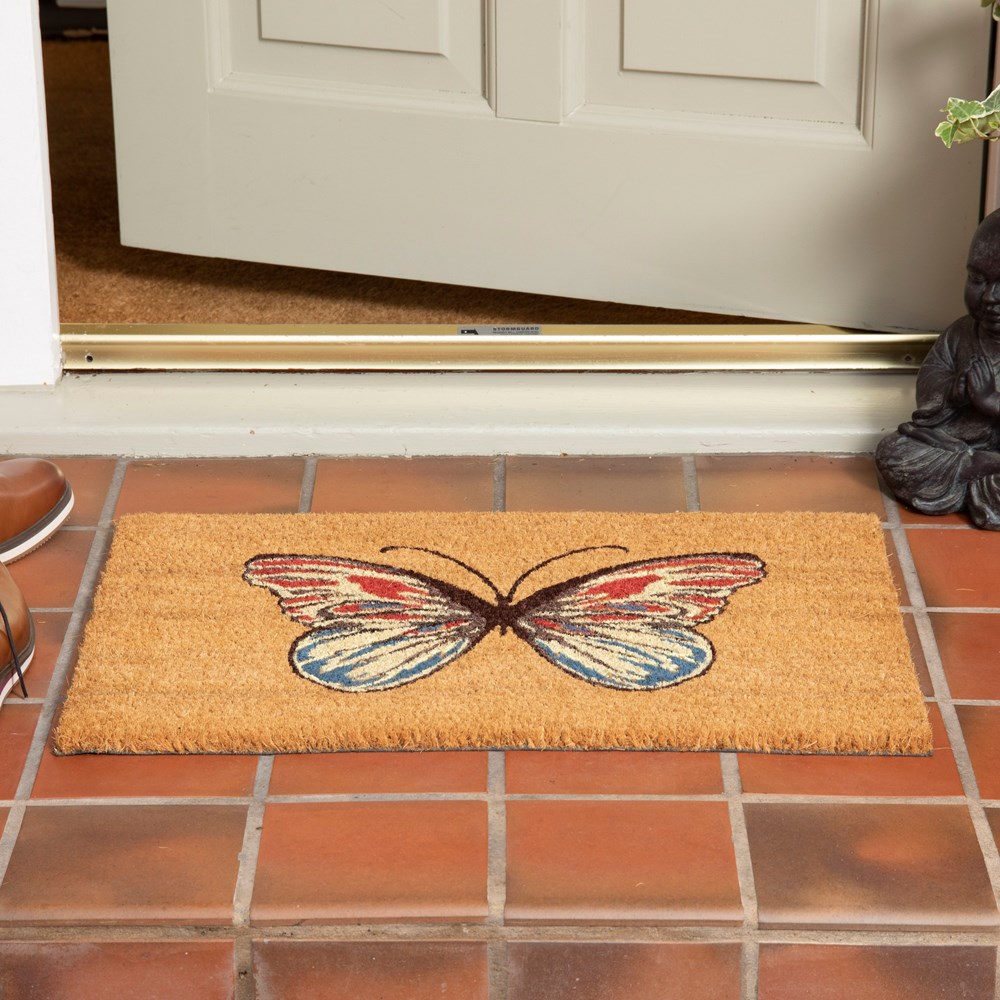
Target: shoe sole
x,y
26,657
39,533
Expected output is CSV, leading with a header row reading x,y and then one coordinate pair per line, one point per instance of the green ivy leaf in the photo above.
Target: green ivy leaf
x,y
992,102
946,133
969,120
963,110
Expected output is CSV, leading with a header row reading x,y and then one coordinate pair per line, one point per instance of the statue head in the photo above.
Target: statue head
x,y
982,285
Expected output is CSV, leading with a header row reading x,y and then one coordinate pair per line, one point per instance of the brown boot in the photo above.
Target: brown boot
x,y
17,635
34,500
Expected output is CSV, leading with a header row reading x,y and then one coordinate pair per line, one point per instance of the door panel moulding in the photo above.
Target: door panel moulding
x,y
563,147
479,347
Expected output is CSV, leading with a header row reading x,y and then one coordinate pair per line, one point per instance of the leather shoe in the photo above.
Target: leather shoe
x,y
34,500
17,635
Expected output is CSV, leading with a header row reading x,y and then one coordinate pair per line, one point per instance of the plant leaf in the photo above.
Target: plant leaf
x,y
992,102
963,110
946,133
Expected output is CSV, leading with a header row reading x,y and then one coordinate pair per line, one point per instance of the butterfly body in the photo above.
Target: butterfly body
x,y
375,626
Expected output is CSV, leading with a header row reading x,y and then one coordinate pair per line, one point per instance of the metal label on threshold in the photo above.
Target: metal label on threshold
x,y
499,331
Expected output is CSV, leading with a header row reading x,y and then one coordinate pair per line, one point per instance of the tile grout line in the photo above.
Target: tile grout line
x,y
953,610
496,863
499,483
84,595
247,800
918,609
497,971
938,527
244,987
250,850
529,933
691,492
764,798
496,871
939,683
732,785
308,485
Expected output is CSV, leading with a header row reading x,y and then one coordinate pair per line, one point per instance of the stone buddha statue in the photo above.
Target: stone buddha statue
x,y
946,458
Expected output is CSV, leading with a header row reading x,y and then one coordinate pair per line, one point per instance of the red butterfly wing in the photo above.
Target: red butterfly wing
x,y
630,626
373,627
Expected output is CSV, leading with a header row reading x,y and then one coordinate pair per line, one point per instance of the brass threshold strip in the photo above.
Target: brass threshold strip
x,y
721,347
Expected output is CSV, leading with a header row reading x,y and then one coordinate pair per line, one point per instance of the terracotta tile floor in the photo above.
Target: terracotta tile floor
x,y
518,876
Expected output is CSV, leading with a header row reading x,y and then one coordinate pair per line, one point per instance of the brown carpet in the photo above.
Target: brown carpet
x,y
102,282
783,633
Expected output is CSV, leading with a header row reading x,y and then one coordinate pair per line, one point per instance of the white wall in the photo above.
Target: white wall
x,y
29,330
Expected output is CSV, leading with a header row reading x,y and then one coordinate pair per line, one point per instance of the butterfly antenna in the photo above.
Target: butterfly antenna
x,y
458,562
552,559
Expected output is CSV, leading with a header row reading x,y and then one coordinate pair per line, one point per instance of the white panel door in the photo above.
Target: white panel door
x,y
772,159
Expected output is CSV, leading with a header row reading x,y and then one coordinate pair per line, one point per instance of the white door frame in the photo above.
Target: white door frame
x,y
29,314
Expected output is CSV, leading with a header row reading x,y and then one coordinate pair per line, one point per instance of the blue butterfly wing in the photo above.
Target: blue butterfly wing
x,y
631,627
630,659
375,627
364,658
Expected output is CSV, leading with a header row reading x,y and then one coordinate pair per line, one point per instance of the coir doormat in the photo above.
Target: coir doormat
x,y
314,632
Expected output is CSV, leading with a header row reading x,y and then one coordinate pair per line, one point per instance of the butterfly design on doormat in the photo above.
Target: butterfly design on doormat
x,y
630,626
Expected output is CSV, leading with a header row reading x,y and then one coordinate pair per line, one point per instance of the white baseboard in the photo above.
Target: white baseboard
x,y
209,414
